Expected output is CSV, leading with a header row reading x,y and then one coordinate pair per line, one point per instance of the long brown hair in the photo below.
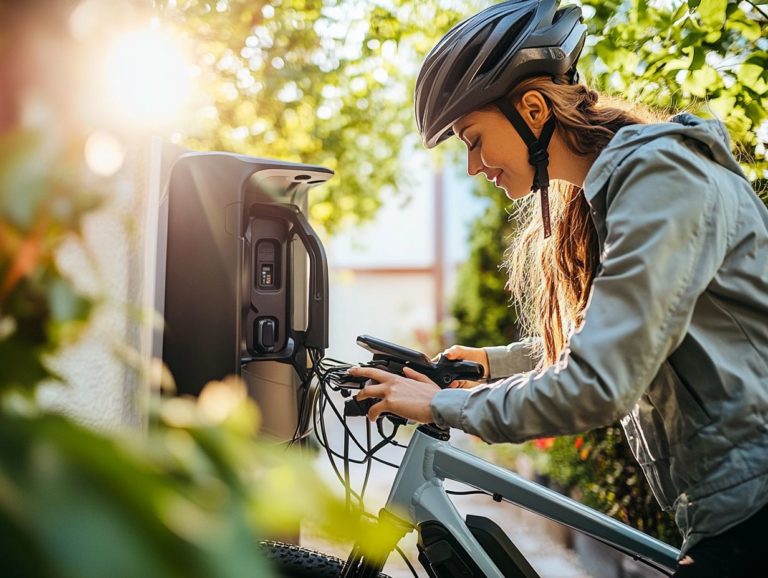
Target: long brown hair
x,y
550,279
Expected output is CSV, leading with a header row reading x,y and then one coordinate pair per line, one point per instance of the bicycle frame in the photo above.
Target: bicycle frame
x,y
418,490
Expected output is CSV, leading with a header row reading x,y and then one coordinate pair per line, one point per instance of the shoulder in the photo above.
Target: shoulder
x,y
641,149
664,167
668,152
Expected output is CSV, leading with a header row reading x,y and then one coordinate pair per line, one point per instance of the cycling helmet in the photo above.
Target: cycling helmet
x,y
479,61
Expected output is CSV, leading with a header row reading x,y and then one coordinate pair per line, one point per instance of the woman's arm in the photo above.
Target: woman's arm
x,y
519,357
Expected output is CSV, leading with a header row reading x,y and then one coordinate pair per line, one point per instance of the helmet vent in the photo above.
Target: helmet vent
x,y
502,47
463,63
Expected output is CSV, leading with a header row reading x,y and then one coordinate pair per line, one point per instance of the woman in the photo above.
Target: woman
x,y
646,279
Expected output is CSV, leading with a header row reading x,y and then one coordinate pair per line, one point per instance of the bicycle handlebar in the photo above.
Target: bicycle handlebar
x,y
443,372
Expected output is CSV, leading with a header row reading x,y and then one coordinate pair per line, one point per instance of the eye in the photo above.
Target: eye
x,y
474,144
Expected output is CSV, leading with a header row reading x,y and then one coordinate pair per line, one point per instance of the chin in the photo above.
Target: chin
x,y
514,195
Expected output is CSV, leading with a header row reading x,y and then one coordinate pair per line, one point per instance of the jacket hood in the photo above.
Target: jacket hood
x,y
711,134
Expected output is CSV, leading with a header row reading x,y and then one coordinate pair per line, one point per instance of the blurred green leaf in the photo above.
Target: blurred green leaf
x,y
739,21
754,77
65,303
722,106
23,186
712,13
699,82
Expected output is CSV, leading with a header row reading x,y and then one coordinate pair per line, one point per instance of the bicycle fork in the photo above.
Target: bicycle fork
x,y
391,529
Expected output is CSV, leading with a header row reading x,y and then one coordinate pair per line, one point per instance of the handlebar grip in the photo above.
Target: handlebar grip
x,y
356,408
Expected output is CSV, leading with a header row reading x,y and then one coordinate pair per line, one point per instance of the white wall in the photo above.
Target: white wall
x,y
393,309
105,386
401,236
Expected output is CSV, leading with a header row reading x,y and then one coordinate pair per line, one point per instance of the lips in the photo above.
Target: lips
x,y
497,179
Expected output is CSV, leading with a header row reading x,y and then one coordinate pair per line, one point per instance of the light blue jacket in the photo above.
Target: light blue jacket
x,y
675,337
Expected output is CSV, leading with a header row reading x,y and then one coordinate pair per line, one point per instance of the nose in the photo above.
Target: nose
x,y
474,164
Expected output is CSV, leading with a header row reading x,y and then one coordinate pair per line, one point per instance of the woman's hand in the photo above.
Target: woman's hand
x,y
407,396
476,354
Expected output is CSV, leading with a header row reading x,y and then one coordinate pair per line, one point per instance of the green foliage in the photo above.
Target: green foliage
x,y
190,499
481,307
40,309
81,504
325,82
705,56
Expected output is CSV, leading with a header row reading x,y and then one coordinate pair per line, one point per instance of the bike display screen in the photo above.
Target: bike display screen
x,y
381,347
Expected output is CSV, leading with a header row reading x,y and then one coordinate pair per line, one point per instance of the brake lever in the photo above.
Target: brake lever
x,y
358,408
354,407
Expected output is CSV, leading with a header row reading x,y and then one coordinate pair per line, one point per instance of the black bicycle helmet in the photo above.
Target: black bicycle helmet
x,y
480,60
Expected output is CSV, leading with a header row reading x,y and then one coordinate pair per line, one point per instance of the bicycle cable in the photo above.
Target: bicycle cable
x,y
329,373
468,493
313,408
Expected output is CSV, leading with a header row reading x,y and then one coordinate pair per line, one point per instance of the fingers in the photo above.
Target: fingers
x,y
415,375
453,352
373,390
376,410
370,373
465,384
381,376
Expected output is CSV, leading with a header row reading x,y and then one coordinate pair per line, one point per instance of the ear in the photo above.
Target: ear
x,y
534,109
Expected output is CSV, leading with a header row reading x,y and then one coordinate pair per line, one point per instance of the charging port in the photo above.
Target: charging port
x,y
267,260
265,334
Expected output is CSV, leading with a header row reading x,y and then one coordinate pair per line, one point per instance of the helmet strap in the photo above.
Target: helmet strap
x,y
537,155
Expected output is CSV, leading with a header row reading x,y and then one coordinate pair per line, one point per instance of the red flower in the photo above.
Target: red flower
x,y
579,442
544,443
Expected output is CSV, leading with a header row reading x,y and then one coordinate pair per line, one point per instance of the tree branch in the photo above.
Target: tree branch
x,y
756,7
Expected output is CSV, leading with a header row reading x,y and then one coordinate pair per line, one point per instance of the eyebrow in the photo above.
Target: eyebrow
x,y
463,130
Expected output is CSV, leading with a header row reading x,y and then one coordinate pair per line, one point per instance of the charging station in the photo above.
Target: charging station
x,y
242,280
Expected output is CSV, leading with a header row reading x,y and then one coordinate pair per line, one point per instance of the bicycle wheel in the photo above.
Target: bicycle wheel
x,y
291,561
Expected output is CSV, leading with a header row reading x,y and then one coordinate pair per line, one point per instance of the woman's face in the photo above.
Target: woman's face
x,y
495,149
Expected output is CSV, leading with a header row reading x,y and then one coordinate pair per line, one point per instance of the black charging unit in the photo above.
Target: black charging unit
x,y
270,233
242,280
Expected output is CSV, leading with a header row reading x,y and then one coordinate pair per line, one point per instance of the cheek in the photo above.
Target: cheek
x,y
510,161
518,179
519,170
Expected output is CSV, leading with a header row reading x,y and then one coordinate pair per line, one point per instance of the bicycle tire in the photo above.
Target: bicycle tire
x,y
291,561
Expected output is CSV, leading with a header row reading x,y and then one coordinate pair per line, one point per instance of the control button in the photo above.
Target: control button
x,y
267,275
265,334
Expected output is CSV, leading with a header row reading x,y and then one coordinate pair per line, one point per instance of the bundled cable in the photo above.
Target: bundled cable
x,y
317,404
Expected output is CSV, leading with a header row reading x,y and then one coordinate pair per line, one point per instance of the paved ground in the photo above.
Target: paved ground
x,y
540,541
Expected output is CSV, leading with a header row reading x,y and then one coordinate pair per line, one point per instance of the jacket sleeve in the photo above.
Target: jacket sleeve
x,y
506,360
666,236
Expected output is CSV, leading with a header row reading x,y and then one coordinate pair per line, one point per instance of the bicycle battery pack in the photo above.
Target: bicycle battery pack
x,y
443,557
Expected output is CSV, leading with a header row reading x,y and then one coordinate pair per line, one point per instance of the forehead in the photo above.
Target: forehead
x,y
482,117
